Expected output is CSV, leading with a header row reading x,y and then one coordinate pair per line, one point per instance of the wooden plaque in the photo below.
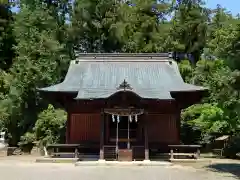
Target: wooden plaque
x,y
125,155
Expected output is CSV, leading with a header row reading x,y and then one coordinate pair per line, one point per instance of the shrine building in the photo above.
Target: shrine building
x,y
124,105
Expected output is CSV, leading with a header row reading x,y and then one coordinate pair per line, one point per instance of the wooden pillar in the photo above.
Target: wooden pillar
x,y
102,136
67,106
68,129
178,122
146,151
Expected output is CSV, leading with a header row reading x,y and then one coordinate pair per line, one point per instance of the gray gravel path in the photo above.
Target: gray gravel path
x,y
14,170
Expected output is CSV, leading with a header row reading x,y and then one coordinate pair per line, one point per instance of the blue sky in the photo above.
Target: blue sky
x,y
230,5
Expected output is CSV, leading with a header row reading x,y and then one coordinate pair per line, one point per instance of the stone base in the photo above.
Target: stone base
x,y
187,160
56,160
122,163
102,162
3,153
35,151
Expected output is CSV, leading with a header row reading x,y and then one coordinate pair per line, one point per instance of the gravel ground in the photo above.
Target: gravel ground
x,y
27,170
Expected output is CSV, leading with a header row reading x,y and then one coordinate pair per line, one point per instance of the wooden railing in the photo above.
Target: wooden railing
x,y
110,153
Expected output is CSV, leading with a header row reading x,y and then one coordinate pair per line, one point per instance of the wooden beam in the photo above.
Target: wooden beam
x,y
124,111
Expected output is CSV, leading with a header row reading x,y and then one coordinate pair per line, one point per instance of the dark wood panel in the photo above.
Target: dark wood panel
x,y
162,128
86,106
84,127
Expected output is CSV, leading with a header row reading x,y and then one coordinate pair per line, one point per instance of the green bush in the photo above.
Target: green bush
x,y
201,122
27,142
27,138
50,126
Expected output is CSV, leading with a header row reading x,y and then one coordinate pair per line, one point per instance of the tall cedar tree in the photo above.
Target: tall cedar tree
x,y
39,62
190,28
91,25
6,37
143,26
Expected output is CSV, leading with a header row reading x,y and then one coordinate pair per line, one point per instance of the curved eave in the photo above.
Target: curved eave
x,y
144,94
88,94
190,88
58,88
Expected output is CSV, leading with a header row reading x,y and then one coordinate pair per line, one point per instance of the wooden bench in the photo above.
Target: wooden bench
x,y
71,149
195,148
218,152
56,147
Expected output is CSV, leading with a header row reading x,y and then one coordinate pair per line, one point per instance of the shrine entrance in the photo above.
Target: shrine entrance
x,y
124,125
125,129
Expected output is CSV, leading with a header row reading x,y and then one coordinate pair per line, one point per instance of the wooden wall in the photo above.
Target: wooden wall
x,y
84,127
162,121
162,128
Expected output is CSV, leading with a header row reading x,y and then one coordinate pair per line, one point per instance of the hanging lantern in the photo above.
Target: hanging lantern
x,y
136,118
113,119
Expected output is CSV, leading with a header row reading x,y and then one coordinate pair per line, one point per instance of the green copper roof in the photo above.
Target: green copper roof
x,y
100,76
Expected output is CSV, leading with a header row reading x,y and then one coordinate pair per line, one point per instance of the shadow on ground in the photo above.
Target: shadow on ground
x,y
232,168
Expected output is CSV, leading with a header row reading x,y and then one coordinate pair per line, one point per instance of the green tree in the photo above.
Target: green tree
x,y
6,37
115,26
221,18
189,30
186,70
222,31
220,113
40,61
143,26
92,22
206,120
233,50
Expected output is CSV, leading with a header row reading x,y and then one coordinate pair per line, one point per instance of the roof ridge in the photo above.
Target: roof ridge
x,y
123,57
166,55
119,60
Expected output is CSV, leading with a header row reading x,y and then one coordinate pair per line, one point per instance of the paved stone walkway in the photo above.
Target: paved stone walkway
x,y
15,170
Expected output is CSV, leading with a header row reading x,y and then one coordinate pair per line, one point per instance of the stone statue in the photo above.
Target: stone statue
x,y
3,144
